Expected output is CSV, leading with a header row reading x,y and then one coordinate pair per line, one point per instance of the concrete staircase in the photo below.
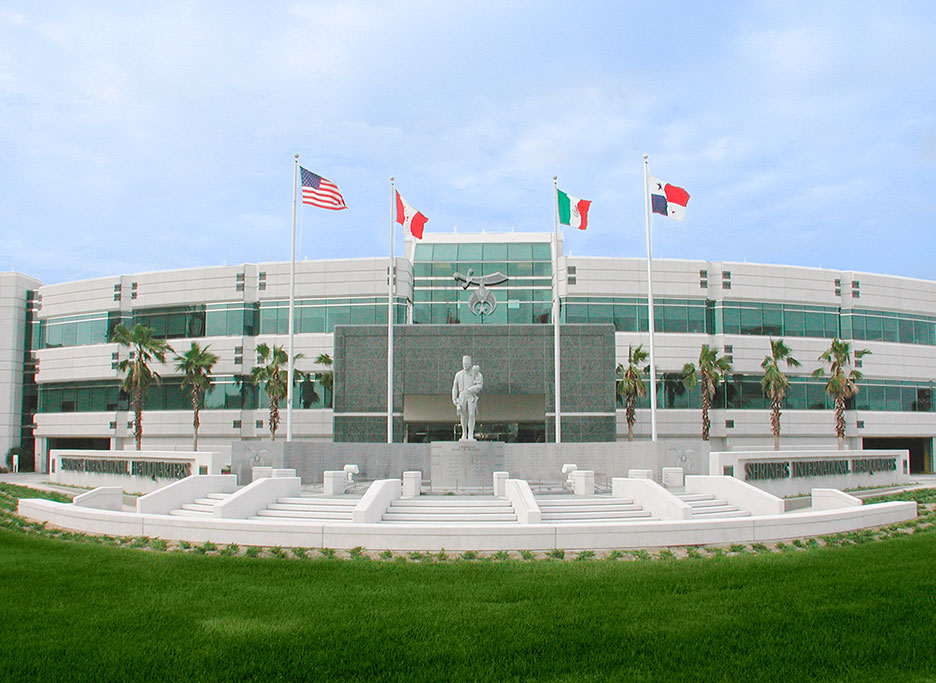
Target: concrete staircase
x,y
450,510
201,507
311,508
707,506
566,509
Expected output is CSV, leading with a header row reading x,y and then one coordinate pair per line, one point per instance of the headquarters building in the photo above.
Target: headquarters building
x,y
60,386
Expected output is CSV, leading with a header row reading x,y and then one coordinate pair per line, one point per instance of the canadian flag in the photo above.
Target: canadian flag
x,y
409,217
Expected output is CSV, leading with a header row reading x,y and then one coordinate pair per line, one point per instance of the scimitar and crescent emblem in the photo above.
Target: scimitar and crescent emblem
x,y
482,300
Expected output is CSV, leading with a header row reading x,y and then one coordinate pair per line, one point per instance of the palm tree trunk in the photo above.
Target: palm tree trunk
x,y
706,403
775,424
840,421
195,420
274,418
138,417
631,414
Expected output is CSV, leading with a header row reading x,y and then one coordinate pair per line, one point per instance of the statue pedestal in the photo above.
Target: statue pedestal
x,y
465,464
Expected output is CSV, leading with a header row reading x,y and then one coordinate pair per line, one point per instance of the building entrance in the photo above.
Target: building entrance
x,y
921,450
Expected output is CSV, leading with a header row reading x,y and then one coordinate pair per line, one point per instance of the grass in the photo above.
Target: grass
x,y
851,610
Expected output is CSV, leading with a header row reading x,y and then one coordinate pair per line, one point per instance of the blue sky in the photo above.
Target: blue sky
x,y
161,135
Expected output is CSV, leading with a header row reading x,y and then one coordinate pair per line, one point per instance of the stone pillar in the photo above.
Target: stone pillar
x,y
583,482
673,477
334,482
500,484
261,473
412,483
640,474
283,473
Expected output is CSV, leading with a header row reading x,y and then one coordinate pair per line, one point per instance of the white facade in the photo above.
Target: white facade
x,y
13,289
365,280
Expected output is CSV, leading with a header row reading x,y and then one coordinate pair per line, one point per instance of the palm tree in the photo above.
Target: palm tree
x,y
775,383
325,377
710,373
196,364
631,386
144,349
843,380
273,375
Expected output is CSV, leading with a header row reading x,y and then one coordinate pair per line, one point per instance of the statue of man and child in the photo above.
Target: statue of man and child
x,y
465,389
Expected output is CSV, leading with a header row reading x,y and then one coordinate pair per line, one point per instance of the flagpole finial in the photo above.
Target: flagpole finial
x,y
392,179
297,157
646,156
555,177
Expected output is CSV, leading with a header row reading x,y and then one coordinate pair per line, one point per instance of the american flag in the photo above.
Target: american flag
x,y
320,192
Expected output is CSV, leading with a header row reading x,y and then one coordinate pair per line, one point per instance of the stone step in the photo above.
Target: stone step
x,y
445,522
450,510
304,514
599,509
736,512
197,507
311,508
582,500
596,516
702,504
189,513
219,496
688,497
452,501
442,517
207,501
320,500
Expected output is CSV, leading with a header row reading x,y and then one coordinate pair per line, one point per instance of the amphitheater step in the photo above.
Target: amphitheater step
x,y
311,507
639,513
189,513
348,502
718,514
304,514
453,501
444,517
599,509
199,507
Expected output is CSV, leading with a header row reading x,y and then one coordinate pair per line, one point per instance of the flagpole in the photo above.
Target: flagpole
x,y
391,278
555,310
653,394
292,306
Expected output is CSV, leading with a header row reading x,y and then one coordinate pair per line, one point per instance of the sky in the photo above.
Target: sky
x,y
153,136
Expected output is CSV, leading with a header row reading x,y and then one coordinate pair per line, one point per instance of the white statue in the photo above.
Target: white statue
x,y
465,389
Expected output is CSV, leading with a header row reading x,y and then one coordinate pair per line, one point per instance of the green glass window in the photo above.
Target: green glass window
x,y
469,252
494,252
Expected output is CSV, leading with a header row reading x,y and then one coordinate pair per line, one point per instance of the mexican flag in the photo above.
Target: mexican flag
x,y
573,211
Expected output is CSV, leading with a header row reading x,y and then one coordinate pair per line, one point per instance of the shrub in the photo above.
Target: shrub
x,y
556,554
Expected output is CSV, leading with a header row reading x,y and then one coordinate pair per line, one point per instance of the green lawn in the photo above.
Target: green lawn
x,y
85,611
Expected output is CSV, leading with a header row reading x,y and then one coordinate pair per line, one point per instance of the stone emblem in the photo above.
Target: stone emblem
x,y
482,300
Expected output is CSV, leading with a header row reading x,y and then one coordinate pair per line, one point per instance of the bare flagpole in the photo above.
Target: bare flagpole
x,y
292,305
391,278
555,309
653,394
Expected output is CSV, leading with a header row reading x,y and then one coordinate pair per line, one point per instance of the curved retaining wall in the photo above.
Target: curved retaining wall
x,y
461,537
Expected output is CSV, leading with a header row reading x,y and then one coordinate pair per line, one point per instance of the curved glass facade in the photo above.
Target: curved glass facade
x,y
525,299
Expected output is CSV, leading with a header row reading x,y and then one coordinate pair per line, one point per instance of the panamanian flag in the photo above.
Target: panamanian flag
x,y
667,199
